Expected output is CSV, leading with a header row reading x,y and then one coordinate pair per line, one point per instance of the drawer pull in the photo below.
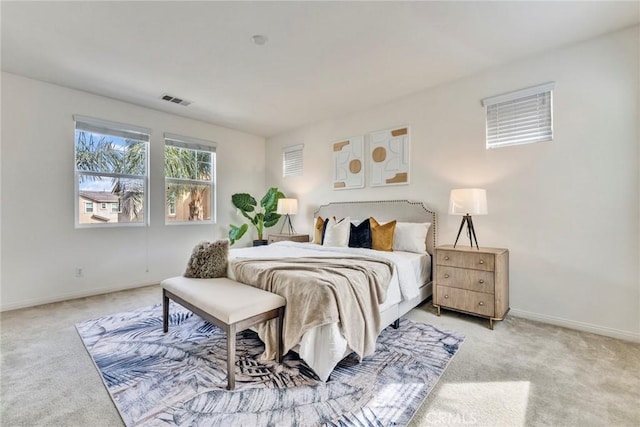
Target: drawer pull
x,y
481,281
481,303
446,258
446,297
446,276
481,261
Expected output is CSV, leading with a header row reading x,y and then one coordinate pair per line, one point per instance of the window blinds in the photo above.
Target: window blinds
x,y
292,160
189,142
521,117
104,127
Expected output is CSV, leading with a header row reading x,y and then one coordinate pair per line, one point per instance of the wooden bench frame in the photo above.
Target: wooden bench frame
x,y
230,329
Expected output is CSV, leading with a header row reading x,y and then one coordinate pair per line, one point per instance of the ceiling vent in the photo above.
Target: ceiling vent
x,y
175,100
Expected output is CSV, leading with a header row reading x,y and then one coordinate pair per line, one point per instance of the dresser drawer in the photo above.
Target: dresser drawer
x,y
474,280
477,261
462,299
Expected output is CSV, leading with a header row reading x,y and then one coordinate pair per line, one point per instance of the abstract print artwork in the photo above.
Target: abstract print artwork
x,y
348,163
389,157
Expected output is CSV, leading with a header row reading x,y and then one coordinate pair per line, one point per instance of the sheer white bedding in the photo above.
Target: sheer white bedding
x,y
323,347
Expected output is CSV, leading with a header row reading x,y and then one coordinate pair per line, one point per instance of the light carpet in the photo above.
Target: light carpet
x,y
179,378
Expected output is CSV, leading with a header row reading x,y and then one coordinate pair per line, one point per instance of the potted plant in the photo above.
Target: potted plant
x,y
261,217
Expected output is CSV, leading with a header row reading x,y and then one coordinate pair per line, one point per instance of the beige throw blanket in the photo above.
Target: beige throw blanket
x,y
320,291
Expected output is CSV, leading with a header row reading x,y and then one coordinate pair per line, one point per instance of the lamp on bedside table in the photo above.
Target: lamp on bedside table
x,y
287,207
467,202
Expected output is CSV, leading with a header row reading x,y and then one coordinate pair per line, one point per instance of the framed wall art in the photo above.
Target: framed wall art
x,y
348,163
389,157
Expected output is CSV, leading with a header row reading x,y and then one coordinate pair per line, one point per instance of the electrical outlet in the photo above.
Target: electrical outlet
x,y
79,272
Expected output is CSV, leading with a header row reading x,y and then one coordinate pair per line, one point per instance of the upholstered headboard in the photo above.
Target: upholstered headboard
x,y
383,211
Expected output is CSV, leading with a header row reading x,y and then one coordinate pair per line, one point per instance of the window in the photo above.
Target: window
x,y
189,169
88,207
111,166
521,117
292,161
115,207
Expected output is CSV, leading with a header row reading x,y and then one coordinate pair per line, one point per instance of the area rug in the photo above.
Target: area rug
x,y
179,378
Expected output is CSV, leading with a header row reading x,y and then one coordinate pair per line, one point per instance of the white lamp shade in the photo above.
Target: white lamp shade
x,y
471,201
287,206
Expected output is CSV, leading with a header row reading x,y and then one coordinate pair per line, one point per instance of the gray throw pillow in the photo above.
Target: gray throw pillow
x,y
208,260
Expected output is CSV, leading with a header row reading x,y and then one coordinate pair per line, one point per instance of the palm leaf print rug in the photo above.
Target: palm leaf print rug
x,y
179,378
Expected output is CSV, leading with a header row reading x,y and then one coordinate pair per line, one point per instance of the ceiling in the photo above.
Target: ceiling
x,y
322,59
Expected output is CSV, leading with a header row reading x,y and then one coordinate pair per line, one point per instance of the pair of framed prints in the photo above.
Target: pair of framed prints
x,y
387,158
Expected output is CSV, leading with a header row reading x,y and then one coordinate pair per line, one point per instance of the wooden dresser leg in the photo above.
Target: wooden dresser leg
x,y
491,323
231,357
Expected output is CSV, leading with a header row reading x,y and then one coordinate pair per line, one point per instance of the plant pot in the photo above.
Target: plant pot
x,y
262,242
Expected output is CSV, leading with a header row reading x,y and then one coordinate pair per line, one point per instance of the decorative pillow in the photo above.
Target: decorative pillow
x,y
208,260
360,235
324,230
382,235
411,237
337,232
318,230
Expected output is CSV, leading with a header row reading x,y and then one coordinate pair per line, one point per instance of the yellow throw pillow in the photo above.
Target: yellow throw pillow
x,y
317,230
382,235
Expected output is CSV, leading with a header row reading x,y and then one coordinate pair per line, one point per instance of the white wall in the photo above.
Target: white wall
x,y
41,248
567,210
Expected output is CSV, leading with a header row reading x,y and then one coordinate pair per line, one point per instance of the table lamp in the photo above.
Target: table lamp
x,y
287,207
467,202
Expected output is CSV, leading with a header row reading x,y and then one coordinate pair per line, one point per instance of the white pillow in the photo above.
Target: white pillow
x,y
337,233
411,237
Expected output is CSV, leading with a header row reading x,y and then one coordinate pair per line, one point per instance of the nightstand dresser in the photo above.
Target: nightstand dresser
x,y
291,237
472,281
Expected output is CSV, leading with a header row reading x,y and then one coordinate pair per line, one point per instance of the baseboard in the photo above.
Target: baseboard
x,y
580,326
68,296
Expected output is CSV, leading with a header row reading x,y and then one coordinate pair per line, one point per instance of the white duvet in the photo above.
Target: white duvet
x,y
323,347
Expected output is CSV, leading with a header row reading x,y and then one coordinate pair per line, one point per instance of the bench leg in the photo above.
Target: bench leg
x,y
165,311
231,357
279,341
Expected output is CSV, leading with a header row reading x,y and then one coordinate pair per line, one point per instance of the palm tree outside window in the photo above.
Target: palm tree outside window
x,y
189,179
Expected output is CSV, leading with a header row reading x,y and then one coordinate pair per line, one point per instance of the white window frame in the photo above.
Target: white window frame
x,y
293,160
118,210
520,117
196,144
105,127
86,207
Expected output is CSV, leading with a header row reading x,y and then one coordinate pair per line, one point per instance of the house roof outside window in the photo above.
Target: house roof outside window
x,y
100,196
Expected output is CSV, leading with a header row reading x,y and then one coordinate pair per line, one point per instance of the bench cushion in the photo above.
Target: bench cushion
x,y
223,298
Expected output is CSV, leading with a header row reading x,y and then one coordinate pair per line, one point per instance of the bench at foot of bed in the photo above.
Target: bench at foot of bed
x,y
230,305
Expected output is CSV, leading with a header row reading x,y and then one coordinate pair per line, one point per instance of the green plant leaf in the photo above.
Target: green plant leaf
x,y
236,233
270,200
244,201
271,219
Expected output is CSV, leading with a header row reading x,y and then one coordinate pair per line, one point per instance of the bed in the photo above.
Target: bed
x,y
324,345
